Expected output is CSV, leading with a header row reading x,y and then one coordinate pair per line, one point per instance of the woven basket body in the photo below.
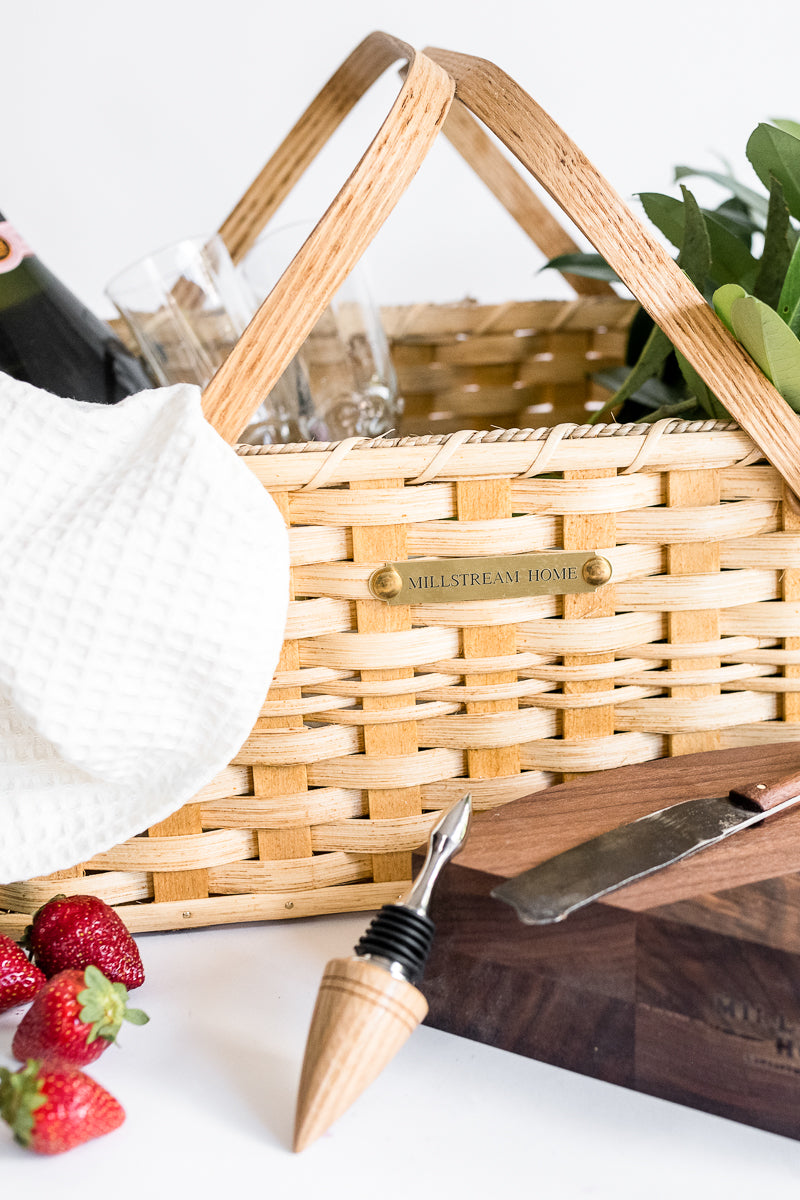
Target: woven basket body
x,y
517,365
381,715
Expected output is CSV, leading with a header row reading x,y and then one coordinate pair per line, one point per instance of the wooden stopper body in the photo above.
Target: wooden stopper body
x,y
362,1017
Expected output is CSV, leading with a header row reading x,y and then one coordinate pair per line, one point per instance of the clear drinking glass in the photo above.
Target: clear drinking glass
x,y
187,306
343,373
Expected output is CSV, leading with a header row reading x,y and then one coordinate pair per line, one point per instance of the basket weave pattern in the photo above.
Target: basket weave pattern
x,y
381,716
516,364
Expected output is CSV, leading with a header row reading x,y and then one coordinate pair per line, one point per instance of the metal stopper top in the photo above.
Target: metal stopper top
x,y
445,839
400,936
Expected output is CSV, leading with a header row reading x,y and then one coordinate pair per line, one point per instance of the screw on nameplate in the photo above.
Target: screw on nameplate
x,y
597,570
445,580
385,583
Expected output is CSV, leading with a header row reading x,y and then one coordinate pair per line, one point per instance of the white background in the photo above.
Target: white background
x,y
209,1090
127,126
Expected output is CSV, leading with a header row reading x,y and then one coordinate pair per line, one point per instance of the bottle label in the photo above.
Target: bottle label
x,y
13,248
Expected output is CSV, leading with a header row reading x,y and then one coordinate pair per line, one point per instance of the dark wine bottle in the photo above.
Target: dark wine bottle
x,y
49,338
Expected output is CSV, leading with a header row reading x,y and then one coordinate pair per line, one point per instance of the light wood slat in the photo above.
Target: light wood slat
x,y
592,754
434,324
377,544
639,259
179,885
513,192
479,500
693,489
588,532
348,225
52,882
493,453
115,887
286,809
380,717
587,491
790,591
624,631
271,780
387,772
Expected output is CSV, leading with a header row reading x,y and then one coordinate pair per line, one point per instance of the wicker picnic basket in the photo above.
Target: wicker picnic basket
x,y
382,714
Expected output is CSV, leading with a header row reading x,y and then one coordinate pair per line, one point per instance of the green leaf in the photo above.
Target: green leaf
x,y
792,127
700,390
677,408
666,214
94,977
788,305
591,266
777,252
695,253
736,218
731,261
656,350
638,333
723,299
136,1016
756,203
20,1095
104,1006
771,343
773,151
653,393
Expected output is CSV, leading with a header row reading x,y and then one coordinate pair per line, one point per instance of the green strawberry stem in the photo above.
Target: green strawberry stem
x,y
104,1006
20,1096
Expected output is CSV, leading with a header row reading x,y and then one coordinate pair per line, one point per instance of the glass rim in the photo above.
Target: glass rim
x,y
148,263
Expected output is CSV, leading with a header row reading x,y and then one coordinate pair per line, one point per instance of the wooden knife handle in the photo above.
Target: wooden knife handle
x,y
766,795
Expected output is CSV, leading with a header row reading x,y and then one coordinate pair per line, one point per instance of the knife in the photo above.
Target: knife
x,y
557,887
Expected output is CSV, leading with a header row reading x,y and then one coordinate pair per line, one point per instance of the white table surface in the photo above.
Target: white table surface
x,y
209,1089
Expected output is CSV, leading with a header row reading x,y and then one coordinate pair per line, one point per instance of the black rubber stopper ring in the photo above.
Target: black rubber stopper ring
x,y
400,935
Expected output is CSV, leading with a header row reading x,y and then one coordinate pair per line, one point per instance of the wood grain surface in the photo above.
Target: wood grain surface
x,y
525,832
634,253
342,235
687,988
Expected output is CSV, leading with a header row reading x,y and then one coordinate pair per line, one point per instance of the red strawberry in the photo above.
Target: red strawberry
x,y
74,1018
52,1109
82,931
20,980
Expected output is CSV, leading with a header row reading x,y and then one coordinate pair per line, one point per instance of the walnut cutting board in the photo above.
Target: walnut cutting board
x,y
685,985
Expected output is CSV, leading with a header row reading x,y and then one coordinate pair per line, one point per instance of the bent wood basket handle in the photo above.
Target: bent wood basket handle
x,y
338,241
504,181
358,72
289,313
640,261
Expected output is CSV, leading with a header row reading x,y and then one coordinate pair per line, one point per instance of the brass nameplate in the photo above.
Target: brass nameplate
x,y
444,580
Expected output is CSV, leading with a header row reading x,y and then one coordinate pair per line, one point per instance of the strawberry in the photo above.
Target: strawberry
x,y
52,1109
82,931
74,1018
20,980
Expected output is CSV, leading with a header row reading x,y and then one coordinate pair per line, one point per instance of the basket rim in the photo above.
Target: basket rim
x,y
522,454
569,431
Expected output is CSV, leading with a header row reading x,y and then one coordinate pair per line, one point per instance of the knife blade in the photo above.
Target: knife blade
x,y
555,888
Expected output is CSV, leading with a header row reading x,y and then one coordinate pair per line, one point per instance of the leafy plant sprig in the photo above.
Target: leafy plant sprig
x,y
744,258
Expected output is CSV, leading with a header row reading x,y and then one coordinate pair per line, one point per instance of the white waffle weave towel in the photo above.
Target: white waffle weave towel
x,y
144,582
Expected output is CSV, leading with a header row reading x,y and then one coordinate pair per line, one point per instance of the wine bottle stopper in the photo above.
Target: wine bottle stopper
x,y
401,935
368,1005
